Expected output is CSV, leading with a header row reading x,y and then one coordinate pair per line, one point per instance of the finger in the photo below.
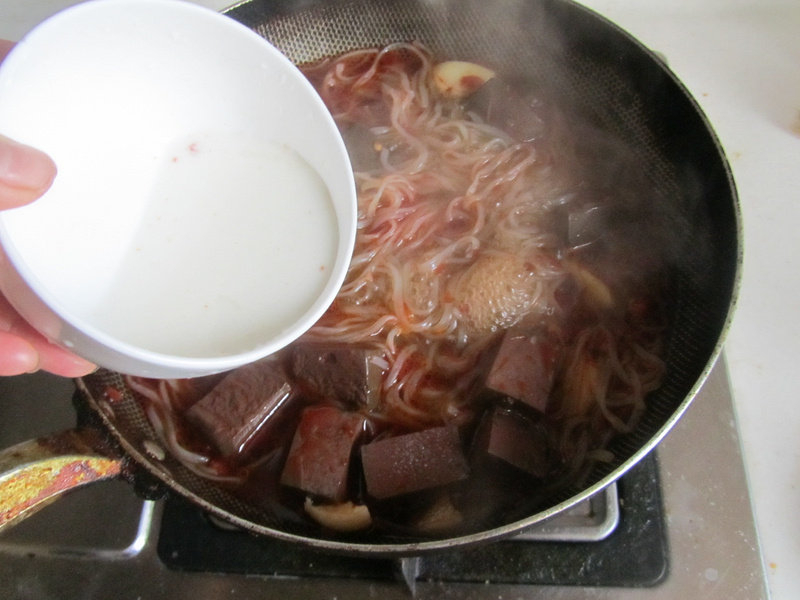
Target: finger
x,y
17,356
25,173
59,361
49,356
5,48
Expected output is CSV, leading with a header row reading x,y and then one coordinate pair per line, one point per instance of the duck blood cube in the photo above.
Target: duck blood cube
x,y
414,461
524,369
344,373
514,439
239,406
319,457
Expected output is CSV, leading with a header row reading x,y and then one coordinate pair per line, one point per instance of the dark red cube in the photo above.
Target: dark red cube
x,y
413,462
524,369
319,457
514,439
239,407
331,372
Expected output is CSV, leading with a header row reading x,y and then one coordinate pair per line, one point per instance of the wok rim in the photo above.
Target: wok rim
x,y
416,548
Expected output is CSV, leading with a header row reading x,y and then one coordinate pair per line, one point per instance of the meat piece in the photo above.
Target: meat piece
x,y
524,368
337,372
239,406
514,439
414,461
495,293
319,457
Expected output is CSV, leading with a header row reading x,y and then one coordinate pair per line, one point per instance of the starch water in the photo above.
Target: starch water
x,y
237,242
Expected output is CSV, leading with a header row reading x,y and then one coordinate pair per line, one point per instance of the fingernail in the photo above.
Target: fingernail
x,y
24,167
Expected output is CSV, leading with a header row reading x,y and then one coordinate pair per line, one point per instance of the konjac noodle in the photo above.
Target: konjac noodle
x,y
501,320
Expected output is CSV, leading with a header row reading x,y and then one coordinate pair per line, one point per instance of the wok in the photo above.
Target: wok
x,y
580,57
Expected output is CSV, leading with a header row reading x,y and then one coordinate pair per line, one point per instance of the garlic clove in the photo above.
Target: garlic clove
x,y
339,517
459,79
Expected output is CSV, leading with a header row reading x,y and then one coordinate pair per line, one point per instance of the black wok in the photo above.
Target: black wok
x,y
624,88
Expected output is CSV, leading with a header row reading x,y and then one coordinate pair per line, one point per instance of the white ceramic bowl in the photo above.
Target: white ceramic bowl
x,y
204,211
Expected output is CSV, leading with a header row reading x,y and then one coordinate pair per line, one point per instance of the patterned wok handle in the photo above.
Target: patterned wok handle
x,y
35,473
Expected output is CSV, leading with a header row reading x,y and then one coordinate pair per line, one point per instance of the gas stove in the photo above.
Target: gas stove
x,y
679,524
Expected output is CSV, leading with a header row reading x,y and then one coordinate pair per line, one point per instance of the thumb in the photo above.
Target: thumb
x,y
25,173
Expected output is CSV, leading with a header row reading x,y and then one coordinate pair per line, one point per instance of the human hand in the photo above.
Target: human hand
x,y
25,174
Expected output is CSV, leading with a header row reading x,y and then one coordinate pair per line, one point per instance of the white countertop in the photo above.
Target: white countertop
x,y
741,61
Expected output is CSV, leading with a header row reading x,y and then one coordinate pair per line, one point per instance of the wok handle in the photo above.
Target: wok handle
x,y
35,473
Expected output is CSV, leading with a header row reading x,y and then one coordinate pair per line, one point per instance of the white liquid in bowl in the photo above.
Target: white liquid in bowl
x,y
236,243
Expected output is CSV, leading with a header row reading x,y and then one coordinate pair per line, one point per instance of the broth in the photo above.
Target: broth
x,y
501,320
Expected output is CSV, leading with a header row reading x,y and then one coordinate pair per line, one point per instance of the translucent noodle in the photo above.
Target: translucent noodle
x,y
455,245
